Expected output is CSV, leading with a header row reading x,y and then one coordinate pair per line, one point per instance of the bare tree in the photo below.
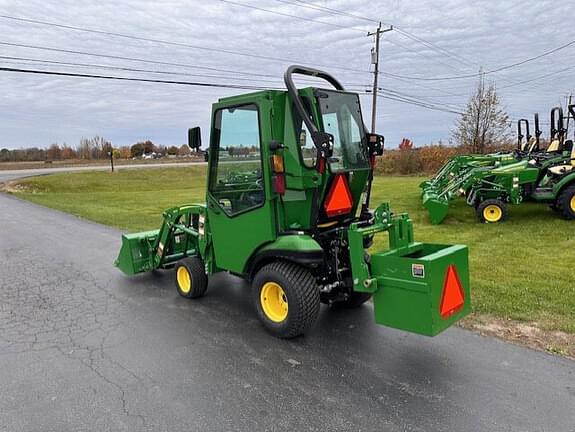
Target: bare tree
x,y
484,122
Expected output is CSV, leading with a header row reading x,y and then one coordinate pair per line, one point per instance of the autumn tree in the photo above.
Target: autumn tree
x,y
137,150
484,122
184,150
54,152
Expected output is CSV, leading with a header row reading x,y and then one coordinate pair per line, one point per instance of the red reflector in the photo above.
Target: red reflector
x,y
453,298
279,182
339,200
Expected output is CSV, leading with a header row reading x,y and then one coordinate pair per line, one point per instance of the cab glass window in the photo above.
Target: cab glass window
x,y
341,117
236,181
307,148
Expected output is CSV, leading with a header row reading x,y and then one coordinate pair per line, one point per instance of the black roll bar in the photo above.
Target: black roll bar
x,y
520,135
292,90
538,131
557,126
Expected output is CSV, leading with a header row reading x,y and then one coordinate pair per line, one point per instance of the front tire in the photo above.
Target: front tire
x,y
286,298
566,203
190,277
492,211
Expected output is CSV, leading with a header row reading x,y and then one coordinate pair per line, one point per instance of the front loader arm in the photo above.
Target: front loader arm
x,y
178,237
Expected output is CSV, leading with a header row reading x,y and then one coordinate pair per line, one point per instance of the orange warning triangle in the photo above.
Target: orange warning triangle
x,y
453,298
339,200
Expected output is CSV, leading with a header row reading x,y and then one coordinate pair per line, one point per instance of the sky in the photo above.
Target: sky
x,y
251,43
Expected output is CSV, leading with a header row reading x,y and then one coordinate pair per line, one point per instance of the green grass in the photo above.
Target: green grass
x,y
522,269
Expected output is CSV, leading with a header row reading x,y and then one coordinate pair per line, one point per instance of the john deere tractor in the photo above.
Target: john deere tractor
x,y
541,176
287,209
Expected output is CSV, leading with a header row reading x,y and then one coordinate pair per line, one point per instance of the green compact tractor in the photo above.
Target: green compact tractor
x,y
448,180
540,176
287,209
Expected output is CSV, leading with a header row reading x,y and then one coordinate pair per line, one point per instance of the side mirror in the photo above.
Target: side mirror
x,y
195,138
375,144
275,145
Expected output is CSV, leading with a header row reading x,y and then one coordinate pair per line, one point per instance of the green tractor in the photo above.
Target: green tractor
x,y
447,182
546,177
287,210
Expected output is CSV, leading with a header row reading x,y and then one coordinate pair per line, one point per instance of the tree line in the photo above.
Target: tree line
x,y
95,148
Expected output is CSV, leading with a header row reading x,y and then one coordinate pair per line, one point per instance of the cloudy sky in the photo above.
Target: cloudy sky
x,y
251,42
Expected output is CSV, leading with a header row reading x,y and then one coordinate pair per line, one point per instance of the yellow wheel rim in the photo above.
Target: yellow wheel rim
x,y
274,302
573,203
492,213
184,280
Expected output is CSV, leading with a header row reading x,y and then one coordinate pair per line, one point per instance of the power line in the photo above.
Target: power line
x,y
433,46
145,39
314,6
190,83
110,77
291,16
130,69
122,68
499,69
420,104
116,57
538,77
166,42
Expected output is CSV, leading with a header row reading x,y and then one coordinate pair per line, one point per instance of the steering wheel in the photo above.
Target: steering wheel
x,y
254,194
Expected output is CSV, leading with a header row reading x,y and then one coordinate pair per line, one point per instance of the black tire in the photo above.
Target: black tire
x,y
300,295
356,299
566,202
191,269
492,211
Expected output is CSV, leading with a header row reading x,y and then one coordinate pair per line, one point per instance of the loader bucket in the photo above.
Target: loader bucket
x,y
422,288
436,206
136,253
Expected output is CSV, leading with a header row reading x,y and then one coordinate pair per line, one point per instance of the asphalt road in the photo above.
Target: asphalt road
x,y
7,175
84,348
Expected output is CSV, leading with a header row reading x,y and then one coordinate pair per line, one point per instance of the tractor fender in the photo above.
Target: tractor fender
x,y
297,248
567,180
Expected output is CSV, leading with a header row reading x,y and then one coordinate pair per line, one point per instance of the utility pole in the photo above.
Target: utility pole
x,y
569,99
375,62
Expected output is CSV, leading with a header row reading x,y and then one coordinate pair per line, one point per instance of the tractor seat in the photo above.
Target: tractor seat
x,y
554,146
564,169
531,144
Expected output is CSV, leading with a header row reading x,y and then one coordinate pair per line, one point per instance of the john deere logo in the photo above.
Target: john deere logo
x,y
418,270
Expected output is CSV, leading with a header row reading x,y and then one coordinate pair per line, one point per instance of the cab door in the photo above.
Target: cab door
x,y
240,214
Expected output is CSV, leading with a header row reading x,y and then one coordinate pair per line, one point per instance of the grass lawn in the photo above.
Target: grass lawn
x,y
522,269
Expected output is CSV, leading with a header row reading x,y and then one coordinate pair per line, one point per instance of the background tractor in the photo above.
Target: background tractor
x,y
530,175
287,209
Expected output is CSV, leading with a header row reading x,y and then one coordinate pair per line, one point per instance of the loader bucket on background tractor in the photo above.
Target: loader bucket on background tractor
x,y
436,207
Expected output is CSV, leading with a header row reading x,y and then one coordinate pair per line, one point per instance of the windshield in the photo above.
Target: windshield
x,y
341,117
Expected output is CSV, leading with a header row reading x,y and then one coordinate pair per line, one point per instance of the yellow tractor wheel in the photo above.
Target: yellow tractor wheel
x,y
492,211
566,202
191,279
286,297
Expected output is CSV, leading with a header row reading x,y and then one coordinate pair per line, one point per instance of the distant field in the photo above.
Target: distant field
x,y
86,162
521,269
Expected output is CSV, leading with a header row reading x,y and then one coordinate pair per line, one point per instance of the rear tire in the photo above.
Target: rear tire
x,y
492,211
190,277
566,203
286,298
